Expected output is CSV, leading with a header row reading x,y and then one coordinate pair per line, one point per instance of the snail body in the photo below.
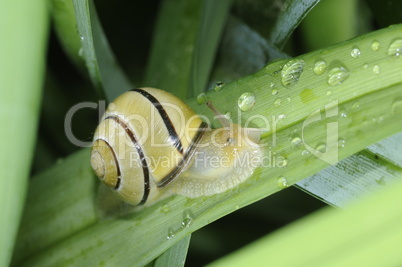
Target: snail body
x,y
149,145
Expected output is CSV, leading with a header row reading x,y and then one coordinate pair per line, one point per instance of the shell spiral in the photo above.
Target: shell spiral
x,y
143,142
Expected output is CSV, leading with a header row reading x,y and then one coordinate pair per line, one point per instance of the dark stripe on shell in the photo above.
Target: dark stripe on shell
x,y
117,164
145,169
183,164
165,117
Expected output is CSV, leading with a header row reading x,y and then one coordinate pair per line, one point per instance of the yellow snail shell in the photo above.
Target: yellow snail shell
x,y
149,145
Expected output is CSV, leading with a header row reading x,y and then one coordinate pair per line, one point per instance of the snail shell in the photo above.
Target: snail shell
x,y
149,145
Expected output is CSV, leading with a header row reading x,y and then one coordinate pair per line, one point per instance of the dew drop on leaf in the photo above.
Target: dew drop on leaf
x,y
376,69
396,107
170,234
291,72
321,148
282,182
165,208
218,86
341,143
375,46
395,48
246,101
296,140
320,67
355,53
337,75
202,98
277,102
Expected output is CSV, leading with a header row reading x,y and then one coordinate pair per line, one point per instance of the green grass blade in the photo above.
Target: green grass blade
x,y
56,218
352,178
212,21
389,149
176,255
238,58
173,46
342,17
289,19
309,98
104,71
369,233
65,26
358,175
23,33
166,53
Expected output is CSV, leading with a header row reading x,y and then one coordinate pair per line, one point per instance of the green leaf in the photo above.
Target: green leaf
x,y
23,34
307,106
389,149
106,75
65,25
212,22
173,46
342,21
65,209
289,19
368,233
352,178
238,58
176,255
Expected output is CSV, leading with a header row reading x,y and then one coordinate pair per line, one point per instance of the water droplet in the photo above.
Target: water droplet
x,y
395,48
355,53
271,84
81,52
275,91
246,101
284,162
321,148
282,183
343,114
202,98
320,67
305,153
218,86
329,92
396,107
296,140
375,46
341,143
365,66
288,98
165,208
186,222
82,38
355,106
281,116
376,69
170,234
277,102
291,72
337,76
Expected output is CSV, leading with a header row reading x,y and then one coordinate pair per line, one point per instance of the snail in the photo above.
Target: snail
x,y
149,145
